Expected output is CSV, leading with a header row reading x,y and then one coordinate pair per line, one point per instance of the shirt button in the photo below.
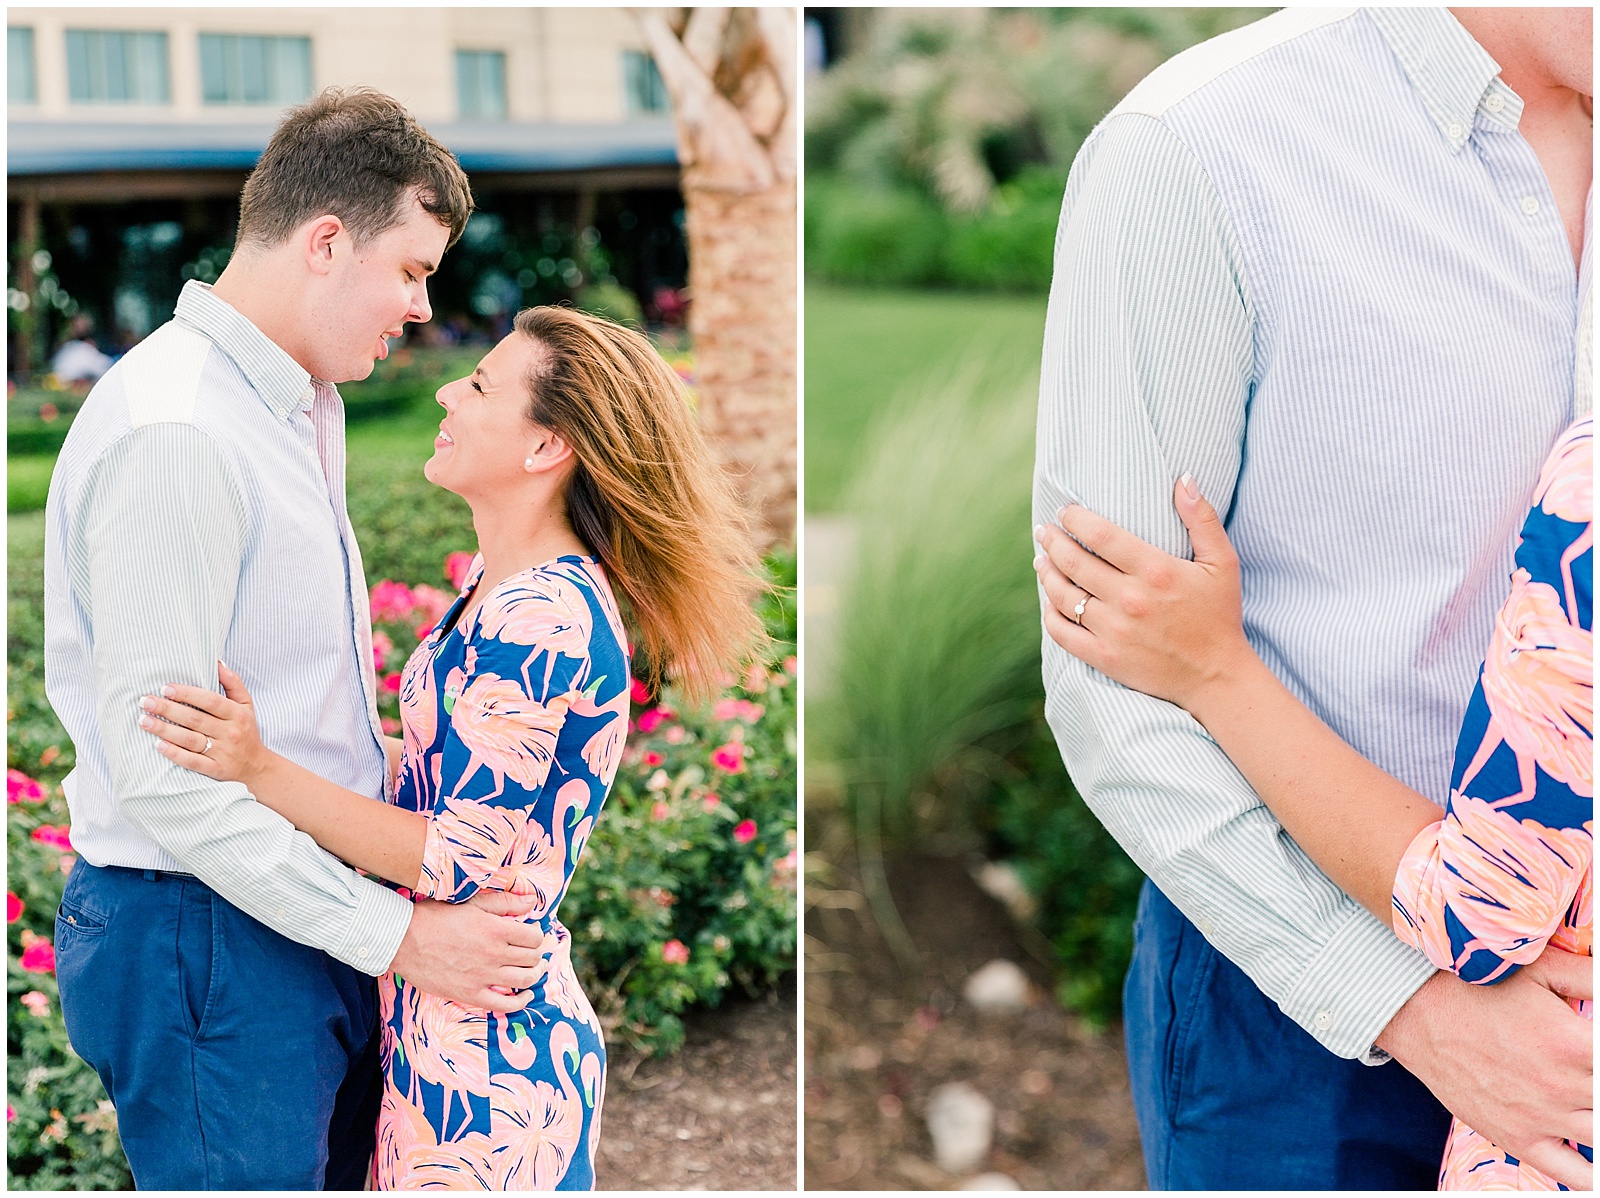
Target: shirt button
x,y
1324,1021
1455,130
1530,205
1495,103
361,952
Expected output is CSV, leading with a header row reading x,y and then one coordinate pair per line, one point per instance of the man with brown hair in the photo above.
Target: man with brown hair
x,y
216,966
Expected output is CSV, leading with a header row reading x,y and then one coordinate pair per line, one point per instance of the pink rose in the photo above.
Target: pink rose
x,y
424,631
382,646
744,832
638,693
14,907
11,1113
653,758
56,838
675,735
39,957
391,683
456,566
432,601
22,789
653,718
660,811
725,709
37,1002
675,952
712,801
751,712
791,664
729,757
756,678
391,601
390,725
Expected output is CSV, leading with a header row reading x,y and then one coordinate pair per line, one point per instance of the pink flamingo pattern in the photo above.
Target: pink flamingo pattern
x,y
1510,867
513,721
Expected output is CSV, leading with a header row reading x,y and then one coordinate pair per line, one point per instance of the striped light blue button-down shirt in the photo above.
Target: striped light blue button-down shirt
x,y
197,512
1314,262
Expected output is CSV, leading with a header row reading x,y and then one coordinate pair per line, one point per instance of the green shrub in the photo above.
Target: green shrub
x,y
887,238
937,717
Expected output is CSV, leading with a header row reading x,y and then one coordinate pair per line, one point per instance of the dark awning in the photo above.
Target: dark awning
x,y
71,147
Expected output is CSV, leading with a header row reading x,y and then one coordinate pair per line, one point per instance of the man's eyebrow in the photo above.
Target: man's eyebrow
x,y
424,266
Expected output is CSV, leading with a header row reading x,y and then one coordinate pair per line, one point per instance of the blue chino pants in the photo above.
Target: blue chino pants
x,y
1231,1094
237,1059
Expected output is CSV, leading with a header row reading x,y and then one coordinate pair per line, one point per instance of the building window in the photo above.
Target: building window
x,y
20,85
481,85
112,67
646,91
244,69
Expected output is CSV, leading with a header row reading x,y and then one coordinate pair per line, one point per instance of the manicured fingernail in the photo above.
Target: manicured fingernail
x,y
168,691
1188,484
1038,532
146,722
147,703
1038,562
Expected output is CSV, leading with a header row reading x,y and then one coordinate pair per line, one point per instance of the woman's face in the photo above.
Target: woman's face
x,y
485,436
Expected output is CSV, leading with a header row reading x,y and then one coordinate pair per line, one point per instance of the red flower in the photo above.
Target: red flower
x,y
56,838
745,832
653,758
456,566
675,952
431,601
392,601
391,683
39,957
424,631
22,789
639,692
660,811
653,718
390,725
729,757
13,908
382,646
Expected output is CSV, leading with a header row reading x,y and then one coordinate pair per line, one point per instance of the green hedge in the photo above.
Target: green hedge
x,y
899,237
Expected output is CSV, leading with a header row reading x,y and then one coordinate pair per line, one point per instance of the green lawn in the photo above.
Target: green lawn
x,y
866,347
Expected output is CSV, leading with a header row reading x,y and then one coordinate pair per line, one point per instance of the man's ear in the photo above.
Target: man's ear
x,y
318,238
547,450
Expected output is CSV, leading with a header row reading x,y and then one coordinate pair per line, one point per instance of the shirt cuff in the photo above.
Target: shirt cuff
x,y
380,924
1347,1019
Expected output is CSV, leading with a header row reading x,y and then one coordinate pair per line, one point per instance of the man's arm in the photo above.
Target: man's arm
x,y
157,547
1147,372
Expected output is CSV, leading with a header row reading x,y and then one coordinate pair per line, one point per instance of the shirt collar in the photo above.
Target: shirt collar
x,y
1457,79
283,384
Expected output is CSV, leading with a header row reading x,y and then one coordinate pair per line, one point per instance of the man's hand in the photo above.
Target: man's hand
x,y
462,951
1512,1061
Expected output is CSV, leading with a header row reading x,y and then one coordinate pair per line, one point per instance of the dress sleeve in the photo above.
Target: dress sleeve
x,y
1511,863
527,661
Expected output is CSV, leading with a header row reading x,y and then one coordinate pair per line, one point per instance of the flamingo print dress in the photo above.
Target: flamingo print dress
x,y
1510,868
513,720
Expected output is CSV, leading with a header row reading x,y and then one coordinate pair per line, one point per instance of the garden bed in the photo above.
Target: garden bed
x,y
878,1042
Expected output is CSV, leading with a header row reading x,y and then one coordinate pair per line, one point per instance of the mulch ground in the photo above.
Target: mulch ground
x,y
879,1040
720,1114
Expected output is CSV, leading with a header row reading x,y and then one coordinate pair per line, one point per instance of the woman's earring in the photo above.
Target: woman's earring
x,y
527,464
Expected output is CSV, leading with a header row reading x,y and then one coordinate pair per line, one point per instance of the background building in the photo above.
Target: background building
x,y
131,131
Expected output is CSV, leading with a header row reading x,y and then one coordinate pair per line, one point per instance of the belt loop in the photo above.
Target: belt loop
x,y
149,875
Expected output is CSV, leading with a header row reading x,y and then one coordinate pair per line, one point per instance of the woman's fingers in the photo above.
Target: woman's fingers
x,y
1206,534
1080,566
189,761
198,696
232,684
174,734
183,715
1107,541
1564,1164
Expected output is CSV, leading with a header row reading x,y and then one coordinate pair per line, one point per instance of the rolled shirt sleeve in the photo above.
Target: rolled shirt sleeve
x,y
1148,365
157,548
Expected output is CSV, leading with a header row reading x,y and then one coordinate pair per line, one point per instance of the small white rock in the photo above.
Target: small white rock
x,y
961,1123
1002,882
998,988
992,1181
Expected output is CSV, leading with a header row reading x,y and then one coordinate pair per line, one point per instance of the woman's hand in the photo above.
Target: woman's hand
x,y
208,733
1149,620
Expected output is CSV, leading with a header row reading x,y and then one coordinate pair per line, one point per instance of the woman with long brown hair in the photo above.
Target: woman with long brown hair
x,y
599,513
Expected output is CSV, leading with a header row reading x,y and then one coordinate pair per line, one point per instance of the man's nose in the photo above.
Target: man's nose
x,y
421,310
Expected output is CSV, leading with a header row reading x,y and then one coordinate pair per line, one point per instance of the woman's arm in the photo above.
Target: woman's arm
x,y
1173,629
394,751
368,834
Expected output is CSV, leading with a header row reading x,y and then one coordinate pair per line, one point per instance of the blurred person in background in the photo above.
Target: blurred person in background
x,y
1334,265
79,361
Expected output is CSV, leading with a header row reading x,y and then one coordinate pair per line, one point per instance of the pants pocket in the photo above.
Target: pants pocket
x,y
197,957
